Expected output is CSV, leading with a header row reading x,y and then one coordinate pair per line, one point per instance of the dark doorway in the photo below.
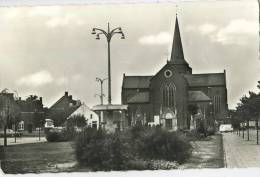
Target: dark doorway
x,y
168,123
30,128
94,124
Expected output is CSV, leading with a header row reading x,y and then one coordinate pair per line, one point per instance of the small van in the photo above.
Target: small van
x,y
225,128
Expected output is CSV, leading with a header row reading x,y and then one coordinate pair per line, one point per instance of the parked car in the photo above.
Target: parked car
x,y
225,128
10,133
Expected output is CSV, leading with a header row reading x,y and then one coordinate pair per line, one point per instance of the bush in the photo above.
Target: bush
x,y
211,130
55,136
156,143
58,135
122,150
102,151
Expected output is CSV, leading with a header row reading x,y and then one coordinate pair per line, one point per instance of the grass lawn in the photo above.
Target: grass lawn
x,y
59,157
37,158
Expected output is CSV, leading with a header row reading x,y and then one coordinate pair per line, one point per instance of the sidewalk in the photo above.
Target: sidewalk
x,y
22,140
239,152
206,154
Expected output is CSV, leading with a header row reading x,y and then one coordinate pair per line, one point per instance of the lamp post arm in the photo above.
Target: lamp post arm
x,y
118,28
104,79
102,31
117,33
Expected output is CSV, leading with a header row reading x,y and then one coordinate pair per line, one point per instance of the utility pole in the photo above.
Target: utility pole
x,y
5,127
257,131
247,130
243,128
15,129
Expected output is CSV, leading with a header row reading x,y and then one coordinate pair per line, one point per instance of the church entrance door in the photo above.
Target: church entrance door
x,y
168,123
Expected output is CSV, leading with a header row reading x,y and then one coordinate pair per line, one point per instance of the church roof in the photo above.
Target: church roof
x,y
140,97
198,96
136,82
177,56
212,79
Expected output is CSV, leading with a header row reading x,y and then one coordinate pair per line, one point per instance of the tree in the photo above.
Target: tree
x,y
9,112
38,121
77,120
249,109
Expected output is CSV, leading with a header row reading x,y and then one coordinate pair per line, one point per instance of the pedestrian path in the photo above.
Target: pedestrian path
x,y
240,153
22,140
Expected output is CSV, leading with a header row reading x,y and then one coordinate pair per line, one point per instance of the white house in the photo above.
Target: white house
x,y
92,119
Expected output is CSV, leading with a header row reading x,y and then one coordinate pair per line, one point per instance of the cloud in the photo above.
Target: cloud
x,y
207,28
238,31
11,13
158,39
60,21
190,28
62,81
36,79
44,11
76,77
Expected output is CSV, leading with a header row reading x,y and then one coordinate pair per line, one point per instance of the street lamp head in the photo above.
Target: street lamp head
x,y
93,31
123,36
98,79
97,38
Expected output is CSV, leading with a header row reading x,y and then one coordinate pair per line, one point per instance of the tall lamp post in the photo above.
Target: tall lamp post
x,y
101,89
108,34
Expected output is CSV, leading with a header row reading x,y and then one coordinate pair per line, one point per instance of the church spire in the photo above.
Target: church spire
x,y
177,56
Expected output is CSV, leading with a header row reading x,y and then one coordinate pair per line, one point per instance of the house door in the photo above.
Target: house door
x,y
168,123
30,128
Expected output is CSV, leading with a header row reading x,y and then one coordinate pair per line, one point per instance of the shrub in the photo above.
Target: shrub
x,y
55,136
156,143
102,151
210,130
58,135
99,150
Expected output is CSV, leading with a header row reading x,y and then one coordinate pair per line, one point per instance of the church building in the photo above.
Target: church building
x,y
168,96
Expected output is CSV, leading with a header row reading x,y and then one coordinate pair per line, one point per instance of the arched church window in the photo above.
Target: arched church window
x,y
168,95
217,103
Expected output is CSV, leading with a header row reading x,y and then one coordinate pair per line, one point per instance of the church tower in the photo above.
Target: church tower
x,y
177,56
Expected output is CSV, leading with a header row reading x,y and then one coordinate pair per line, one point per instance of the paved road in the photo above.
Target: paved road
x,y
239,152
21,140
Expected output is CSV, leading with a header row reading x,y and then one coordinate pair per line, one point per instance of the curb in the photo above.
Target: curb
x,y
224,152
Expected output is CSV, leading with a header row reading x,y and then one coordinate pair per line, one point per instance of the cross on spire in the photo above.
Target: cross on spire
x,y
177,56
176,9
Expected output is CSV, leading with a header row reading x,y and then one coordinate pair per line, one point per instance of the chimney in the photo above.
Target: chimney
x,y
66,93
70,97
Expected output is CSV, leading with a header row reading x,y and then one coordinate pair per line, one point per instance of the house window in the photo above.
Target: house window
x,y
21,125
168,95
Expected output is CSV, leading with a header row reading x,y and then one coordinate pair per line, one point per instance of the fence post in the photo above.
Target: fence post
x,y
257,131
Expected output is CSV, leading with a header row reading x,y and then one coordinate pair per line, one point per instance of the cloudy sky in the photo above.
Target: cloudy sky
x,y
46,50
